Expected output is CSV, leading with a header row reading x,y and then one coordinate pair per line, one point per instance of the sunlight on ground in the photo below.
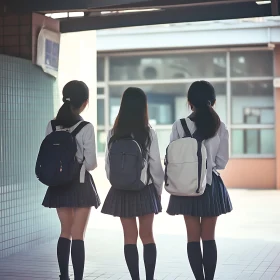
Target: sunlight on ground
x,y
253,217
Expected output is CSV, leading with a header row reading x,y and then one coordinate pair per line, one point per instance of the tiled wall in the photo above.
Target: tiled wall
x,y
28,100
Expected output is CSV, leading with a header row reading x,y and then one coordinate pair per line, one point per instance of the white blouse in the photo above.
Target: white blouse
x,y
217,147
86,150
154,163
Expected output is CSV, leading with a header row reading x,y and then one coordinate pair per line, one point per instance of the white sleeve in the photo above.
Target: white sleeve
x,y
174,134
49,129
222,156
107,164
155,164
90,160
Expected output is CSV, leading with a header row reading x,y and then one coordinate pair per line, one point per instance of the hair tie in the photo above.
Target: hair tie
x,y
66,99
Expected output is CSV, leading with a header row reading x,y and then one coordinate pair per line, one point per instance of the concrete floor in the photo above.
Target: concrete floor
x,y
248,244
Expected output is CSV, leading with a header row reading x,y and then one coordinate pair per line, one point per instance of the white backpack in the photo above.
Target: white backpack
x,y
186,165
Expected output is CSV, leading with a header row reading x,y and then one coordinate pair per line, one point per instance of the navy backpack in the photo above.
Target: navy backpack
x,y
56,163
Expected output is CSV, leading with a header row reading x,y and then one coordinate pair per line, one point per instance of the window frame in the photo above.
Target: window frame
x,y
227,80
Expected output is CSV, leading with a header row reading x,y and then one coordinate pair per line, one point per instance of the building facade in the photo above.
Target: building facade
x,y
240,58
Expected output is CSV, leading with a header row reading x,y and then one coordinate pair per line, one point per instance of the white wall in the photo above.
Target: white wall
x,y
78,62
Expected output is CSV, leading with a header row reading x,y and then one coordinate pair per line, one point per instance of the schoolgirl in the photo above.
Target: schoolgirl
x,y
201,212
132,121
73,201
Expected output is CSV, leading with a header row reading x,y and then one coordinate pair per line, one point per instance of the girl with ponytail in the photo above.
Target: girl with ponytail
x,y
73,202
201,212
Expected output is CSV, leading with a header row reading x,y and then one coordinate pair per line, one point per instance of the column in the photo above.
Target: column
x,y
78,62
277,111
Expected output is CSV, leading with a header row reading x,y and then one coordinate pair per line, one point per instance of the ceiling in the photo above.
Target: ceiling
x,y
103,14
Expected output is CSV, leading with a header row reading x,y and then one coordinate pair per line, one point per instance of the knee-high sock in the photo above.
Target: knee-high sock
x,y
63,253
209,258
150,257
195,259
78,258
132,260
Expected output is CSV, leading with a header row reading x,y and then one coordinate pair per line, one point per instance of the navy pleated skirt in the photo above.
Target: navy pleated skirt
x,y
128,204
76,195
214,202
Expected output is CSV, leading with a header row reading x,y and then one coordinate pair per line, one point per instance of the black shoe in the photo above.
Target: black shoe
x,y
61,278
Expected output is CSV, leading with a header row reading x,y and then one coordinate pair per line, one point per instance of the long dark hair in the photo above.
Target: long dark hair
x,y
133,119
202,97
75,94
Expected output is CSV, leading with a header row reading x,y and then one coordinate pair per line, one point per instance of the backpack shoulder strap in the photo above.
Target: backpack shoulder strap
x,y
185,127
79,128
53,124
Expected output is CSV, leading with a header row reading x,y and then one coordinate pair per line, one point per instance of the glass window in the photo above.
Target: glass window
x,y
167,102
100,112
100,69
100,91
164,102
252,102
101,141
181,66
253,141
251,64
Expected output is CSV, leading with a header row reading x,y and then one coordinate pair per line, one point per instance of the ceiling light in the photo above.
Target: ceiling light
x,y
128,11
57,15
263,2
76,14
138,11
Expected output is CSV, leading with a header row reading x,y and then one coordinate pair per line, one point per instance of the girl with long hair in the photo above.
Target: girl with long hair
x,y
132,121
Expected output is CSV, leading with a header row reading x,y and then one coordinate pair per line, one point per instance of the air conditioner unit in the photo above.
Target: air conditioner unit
x,y
156,70
151,71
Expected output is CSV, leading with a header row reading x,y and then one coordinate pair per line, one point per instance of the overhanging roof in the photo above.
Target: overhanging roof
x,y
203,35
146,12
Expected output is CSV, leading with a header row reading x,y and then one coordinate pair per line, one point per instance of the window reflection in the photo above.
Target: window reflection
x,y
251,64
251,99
192,65
167,102
100,112
253,141
100,69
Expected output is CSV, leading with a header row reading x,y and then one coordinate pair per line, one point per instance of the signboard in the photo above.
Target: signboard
x,y
48,51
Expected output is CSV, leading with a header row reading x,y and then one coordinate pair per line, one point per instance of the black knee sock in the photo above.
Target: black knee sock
x,y
132,260
195,259
209,258
63,252
150,257
78,258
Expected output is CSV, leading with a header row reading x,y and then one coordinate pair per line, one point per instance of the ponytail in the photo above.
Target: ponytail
x,y
207,121
75,94
202,97
65,116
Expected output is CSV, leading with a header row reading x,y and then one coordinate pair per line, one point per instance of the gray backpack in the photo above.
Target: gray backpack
x,y
126,165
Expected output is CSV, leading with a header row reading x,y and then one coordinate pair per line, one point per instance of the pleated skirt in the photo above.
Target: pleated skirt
x,y
128,204
214,202
76,195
